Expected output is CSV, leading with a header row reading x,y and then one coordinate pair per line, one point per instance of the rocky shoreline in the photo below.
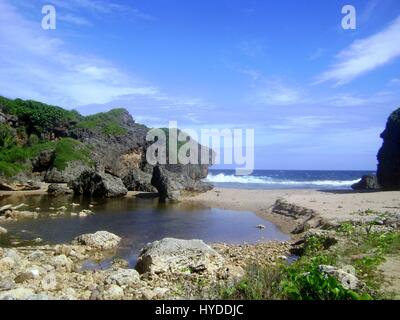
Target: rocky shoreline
x,y
189,270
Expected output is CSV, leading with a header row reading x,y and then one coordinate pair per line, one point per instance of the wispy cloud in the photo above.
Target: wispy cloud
x,y
365,55
305,122
278,93
37,65
73,19
99,7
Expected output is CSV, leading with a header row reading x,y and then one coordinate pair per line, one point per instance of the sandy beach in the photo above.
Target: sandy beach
x,y
329,205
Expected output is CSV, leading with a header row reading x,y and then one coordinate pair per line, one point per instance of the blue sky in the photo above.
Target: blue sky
x,y
316,95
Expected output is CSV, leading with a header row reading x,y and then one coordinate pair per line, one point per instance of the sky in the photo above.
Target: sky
x,y
316,95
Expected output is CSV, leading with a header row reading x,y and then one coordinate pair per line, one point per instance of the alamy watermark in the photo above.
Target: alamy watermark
x,y
349,21
49,21
213,146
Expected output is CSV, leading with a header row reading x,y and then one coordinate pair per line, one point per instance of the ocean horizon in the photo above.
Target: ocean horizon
x,y
287,179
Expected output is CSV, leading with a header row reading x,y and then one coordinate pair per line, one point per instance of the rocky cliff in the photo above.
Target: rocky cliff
x,y
39,142
389,155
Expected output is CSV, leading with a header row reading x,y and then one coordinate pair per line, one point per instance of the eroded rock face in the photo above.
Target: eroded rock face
x,y
100,240
389,155
347,278
93,184
44,160
170,185
175,255
137,180
368,182
73,170
167,187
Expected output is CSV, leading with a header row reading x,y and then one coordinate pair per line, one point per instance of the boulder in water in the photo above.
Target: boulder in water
x,y
100,240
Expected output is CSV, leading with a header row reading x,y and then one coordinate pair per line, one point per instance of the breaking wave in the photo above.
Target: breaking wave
x,y
265,180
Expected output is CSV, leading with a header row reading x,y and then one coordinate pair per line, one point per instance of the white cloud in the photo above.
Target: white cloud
x,y
37,65
305,122
99,7
73,19
365,55
277,93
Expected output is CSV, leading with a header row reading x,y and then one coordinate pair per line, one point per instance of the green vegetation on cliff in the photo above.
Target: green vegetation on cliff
x,y
29,127
106,122
16,159
38,117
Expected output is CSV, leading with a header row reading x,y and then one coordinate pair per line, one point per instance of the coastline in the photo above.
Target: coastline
x,y
329,206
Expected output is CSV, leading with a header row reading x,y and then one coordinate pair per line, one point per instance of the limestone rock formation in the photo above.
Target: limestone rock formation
x,y
175,255
93,184
100,240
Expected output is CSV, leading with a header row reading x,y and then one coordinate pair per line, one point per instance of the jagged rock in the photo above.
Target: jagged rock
x,y
44,160
368,182
167,188
137,180
347,278
291,210
177,255
122,277
73,170
170,185
57,189
100,240
17,294
94,184
388,172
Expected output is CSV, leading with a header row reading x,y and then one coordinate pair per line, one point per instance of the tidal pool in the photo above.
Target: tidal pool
x,y
137,220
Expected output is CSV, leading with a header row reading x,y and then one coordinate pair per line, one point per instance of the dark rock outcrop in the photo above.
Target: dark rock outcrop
x,y
93,184
389,155
170,185
368,182
73,170
137,180
110,142
167,187
44,160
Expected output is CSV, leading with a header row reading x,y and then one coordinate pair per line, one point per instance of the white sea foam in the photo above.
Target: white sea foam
x,y
222,178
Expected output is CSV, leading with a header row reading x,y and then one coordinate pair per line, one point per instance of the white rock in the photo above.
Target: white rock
x,y
178,256
61,261
122,277
49,282
6,264
114,292
101,240
16,294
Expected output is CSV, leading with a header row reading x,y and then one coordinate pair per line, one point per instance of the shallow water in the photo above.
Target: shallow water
x,y
138,221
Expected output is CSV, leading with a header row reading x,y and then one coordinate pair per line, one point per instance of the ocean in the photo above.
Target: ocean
x,y
287,179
